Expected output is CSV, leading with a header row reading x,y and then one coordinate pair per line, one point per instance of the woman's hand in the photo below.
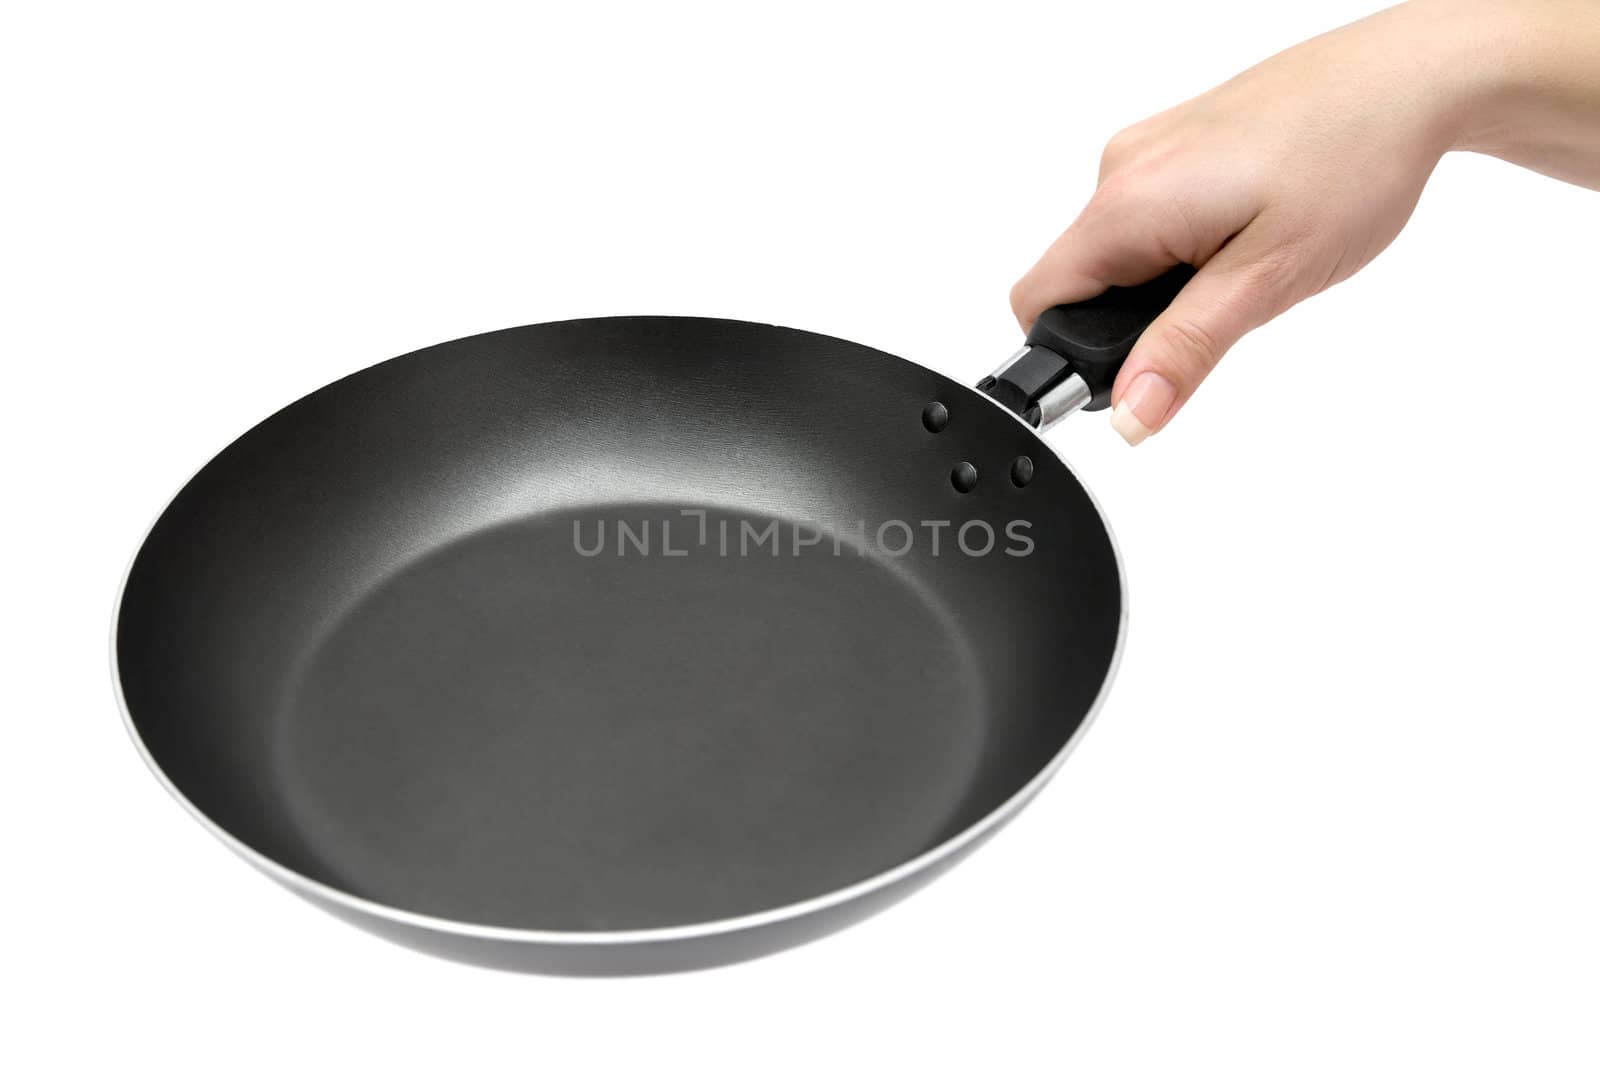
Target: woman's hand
x,y
1295,174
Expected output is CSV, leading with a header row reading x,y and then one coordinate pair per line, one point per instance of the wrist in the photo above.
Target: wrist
x,y
1458,52
1506,76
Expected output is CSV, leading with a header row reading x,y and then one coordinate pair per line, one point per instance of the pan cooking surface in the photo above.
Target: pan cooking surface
x,y
511,733
363,641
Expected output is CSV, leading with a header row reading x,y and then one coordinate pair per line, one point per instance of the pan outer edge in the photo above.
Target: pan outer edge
x,y
943,854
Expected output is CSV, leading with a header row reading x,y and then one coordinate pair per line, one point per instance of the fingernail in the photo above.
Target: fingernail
x,y
1143,407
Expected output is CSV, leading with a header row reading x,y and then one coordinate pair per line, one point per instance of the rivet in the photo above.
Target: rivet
x,y
1021,471
935,417
964,477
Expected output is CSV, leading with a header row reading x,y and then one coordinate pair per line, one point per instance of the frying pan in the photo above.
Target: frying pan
x,y
631,645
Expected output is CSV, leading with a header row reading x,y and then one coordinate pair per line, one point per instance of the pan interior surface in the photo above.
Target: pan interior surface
x,y
508,731
595,626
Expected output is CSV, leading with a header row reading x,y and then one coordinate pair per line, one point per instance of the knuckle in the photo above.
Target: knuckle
x,y
1145,185
1129,140
1118,148
1020,306
1120,186
1122,196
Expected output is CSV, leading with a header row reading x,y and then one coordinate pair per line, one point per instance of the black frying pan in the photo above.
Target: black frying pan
x,y
633,644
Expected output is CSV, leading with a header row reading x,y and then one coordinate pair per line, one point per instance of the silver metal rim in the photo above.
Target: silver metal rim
x,y
717,927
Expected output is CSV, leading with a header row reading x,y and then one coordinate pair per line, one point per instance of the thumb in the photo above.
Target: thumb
x,y
1244,285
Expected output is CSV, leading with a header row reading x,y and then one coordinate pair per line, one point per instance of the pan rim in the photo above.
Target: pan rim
x,y
323,893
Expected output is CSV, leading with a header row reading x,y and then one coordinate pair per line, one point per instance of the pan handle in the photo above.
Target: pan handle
x,y
1074,351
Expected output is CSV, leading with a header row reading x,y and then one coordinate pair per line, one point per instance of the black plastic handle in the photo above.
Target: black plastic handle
x,y
1094,337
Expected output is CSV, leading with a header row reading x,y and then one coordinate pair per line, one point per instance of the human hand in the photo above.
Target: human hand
x,y
1292,176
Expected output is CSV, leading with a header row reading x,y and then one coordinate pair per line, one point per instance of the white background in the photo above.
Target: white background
x,y
1341,806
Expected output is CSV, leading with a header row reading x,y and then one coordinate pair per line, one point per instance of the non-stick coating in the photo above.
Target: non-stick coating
x,y
366,641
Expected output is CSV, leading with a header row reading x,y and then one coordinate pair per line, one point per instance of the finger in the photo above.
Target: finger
x,y
1115,241
1248,282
